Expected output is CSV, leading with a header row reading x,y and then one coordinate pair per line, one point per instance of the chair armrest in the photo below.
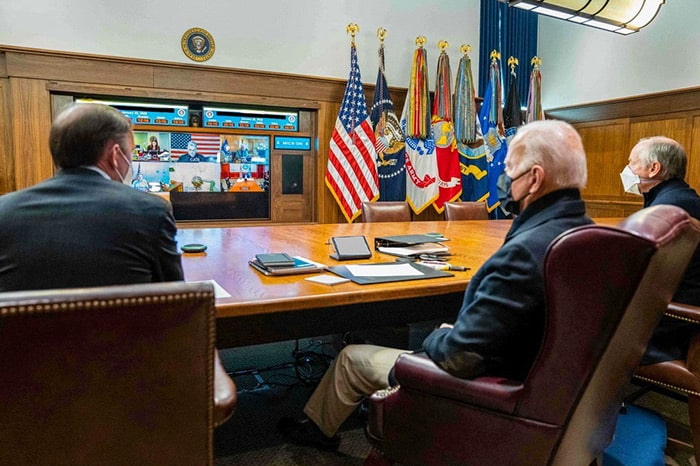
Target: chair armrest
x,y
225,395
689,313
417,372
685,312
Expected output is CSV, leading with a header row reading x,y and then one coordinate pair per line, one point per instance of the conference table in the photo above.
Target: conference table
x,y
260,309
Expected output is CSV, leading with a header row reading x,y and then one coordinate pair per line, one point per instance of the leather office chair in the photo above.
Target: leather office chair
x,y
111,375
389,211
466,211
604,300
678,379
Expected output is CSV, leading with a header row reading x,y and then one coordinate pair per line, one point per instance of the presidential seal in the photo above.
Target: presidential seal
x,y
197,44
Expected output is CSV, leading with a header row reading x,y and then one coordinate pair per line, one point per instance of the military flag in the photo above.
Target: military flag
x,y
421,164
534,96
351,173
491,118
390,145
512,116
470,142
447,157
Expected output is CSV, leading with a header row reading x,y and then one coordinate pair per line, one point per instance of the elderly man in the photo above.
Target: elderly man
x,y
499,328
656,170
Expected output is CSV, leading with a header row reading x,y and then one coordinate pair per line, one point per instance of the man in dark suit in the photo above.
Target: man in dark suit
x,y
86,226
500,326
656,170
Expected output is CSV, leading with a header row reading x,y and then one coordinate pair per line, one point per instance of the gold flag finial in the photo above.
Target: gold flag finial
x,y
512,62
381,33
536,62
352,29
420,40
465,49
495,55
442,45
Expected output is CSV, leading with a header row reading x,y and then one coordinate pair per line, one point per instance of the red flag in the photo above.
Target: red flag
x,y
450,177
351,174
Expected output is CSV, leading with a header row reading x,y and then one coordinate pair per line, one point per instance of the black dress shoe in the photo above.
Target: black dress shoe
x,y
305,432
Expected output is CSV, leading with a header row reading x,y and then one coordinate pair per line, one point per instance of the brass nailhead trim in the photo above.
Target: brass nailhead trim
x,y
103,303
666,385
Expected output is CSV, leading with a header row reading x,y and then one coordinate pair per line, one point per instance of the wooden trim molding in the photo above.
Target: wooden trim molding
x,y
680,100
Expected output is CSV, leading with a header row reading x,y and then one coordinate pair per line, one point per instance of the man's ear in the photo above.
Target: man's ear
x,y
538,172
655,169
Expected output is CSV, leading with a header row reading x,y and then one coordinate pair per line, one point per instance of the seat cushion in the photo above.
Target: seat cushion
x,y
640,439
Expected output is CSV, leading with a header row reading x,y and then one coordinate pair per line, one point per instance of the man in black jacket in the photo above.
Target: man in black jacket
x,y
500,326
86,226
656,170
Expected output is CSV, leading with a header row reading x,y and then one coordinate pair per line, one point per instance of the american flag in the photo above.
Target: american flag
x,y
207,144
351,174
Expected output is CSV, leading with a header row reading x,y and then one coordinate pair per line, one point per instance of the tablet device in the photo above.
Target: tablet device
x,y
350,247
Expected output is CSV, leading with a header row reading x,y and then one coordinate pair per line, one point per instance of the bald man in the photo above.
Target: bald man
x,y
86,226
500,326
656,170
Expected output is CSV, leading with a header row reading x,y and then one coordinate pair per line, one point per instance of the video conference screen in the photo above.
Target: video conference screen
x,y
200,162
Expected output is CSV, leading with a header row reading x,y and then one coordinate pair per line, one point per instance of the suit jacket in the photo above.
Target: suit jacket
x,y
672,336
80,229
500,326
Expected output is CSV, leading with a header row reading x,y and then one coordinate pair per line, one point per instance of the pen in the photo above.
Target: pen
x,y
437,265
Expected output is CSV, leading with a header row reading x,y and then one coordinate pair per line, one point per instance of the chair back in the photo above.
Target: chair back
x,y
388,211
606,289
117,375
466,211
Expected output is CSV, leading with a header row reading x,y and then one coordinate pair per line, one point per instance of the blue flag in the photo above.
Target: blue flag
x,y
390,144
494,139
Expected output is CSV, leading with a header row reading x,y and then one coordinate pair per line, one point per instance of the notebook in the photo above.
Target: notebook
x,y
299,265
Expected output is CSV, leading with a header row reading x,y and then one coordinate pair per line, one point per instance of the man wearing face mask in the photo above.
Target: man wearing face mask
x,y
500,326
86,226
656,171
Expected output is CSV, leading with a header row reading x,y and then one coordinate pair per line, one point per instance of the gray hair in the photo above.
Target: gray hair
x,y
557,147
668,153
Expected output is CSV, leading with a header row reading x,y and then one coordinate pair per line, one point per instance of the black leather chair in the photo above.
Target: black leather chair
x,y
118,375
604,299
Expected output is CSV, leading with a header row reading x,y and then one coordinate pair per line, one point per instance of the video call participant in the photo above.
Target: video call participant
x,y
500,326
192,155
86,226
656,171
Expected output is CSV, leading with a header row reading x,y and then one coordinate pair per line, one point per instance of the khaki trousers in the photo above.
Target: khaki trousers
x,y
357,372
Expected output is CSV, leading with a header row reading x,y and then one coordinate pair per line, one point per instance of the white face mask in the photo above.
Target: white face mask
x,y
630,181
126,179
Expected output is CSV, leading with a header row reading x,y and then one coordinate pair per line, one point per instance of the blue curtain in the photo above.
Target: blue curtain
x,y
513,32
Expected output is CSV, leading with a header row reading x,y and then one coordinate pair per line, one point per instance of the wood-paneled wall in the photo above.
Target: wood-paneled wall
x,y
29,78
609,131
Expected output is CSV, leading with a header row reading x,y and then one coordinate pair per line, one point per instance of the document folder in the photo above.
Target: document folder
x,y
425,272
410,245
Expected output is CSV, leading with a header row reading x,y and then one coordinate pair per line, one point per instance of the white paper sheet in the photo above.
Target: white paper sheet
x,y
384,270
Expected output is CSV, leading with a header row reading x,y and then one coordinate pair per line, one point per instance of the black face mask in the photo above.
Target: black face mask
x,y
505,195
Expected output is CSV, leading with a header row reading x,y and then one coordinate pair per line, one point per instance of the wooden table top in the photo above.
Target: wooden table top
x,y
229,249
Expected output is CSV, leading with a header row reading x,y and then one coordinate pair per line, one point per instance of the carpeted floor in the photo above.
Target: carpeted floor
x,y
272,385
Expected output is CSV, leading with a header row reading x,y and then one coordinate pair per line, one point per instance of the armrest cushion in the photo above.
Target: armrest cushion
x,y
417,372
685,312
